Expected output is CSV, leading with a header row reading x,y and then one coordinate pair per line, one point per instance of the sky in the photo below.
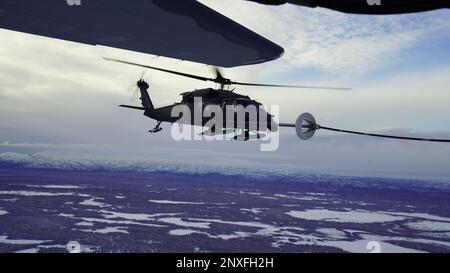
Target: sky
x,y
58,100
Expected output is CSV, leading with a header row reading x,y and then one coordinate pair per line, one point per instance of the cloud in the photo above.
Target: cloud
x,y
57,92
325,154
335,42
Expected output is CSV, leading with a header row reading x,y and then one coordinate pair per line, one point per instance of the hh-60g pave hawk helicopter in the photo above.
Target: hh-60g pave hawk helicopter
x,y
224,97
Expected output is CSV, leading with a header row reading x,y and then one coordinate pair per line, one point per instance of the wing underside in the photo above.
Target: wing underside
x,y
180,29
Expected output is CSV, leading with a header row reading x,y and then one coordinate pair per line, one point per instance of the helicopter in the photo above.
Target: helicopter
x,y
238,121
235,108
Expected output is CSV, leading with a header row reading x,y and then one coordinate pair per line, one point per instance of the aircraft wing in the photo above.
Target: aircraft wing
x,y
367,6
180,29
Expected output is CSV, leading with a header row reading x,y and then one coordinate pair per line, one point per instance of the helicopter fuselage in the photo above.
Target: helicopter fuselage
x,y
213,109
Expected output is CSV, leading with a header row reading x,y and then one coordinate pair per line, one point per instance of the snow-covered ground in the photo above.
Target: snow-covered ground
x,y
164,212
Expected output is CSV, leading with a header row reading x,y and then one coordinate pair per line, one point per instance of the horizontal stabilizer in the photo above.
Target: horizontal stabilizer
x,y
133,107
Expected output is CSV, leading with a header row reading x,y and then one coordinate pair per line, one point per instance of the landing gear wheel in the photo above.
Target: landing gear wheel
x,y
157,129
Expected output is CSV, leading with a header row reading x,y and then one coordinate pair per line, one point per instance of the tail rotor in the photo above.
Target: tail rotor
x,y
134,87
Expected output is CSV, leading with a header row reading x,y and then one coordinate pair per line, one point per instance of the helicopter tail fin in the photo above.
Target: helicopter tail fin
x,y
145,98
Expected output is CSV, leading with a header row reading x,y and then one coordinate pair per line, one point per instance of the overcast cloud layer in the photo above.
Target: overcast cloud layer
x,y
63,94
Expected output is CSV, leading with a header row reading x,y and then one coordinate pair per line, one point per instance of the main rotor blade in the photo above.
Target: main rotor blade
x,y
290,86
200,78
221,80
218,73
